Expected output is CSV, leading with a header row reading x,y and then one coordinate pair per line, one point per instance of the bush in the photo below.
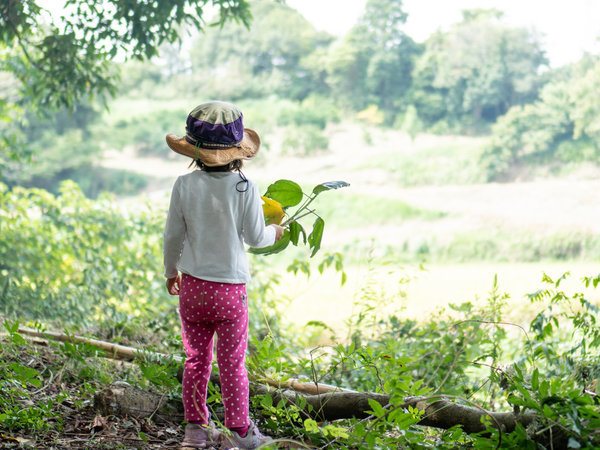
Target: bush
x,y
313,111
72,259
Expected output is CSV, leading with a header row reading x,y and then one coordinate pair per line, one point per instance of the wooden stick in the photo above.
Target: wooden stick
x,y
112,350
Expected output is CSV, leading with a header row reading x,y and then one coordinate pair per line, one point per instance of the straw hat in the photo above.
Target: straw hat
x,y
215,134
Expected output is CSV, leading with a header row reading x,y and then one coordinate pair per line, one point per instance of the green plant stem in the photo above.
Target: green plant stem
x,y
304,206
296,219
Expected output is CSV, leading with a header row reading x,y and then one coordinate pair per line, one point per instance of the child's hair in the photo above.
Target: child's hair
x,y
236,165
231,167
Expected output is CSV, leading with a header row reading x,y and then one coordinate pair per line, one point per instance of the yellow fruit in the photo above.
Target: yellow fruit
x,y
273,211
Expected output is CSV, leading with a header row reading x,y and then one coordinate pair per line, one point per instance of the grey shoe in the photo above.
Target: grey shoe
x,y
201,436
252,440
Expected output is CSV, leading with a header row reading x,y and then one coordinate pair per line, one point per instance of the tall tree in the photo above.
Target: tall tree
x,y
373,63
481,67
274,56
53,60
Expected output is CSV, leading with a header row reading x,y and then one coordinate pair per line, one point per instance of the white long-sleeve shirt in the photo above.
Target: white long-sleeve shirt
x,y
208,223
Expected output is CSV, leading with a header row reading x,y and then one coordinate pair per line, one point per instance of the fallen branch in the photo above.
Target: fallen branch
x,y
110,349
122,399
125,353
323,402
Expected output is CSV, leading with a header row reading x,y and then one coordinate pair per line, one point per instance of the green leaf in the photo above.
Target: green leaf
x,y
295,230
275,248
329,185
311,426
286,192
299,266
376,407
267,401
336,432
315,237
534,380
344,278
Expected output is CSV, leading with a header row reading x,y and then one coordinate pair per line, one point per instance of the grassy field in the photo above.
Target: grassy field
x,y
417,293
418,201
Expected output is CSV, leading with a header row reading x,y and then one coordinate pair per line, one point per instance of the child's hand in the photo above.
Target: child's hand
x,y
278,231
173,285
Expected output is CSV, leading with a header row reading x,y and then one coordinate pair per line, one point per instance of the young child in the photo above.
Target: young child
x,y
212,212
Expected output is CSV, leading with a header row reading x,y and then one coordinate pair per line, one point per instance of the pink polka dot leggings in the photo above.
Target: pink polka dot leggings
x,y
206,308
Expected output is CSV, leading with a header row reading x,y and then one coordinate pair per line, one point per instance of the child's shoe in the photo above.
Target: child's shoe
x,y
200,436
252,440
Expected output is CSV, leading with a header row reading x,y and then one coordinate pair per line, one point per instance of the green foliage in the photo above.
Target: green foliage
x,y
475,72
55,62
288,75
17,411
273,56
96,262
473,356
372,64
68,59
144,132
305,140
335,260
66,145
560,127
312,111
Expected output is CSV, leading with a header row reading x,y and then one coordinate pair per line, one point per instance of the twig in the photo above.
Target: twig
x,y
159,405
491,322
457,352
45,386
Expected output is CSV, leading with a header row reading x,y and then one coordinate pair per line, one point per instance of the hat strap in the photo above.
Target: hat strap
x,y
244,182
197,147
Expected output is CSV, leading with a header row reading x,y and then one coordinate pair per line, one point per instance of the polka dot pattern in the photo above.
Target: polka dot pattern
x,y
206,308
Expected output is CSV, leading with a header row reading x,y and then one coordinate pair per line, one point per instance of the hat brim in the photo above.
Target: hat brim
x,y
248,148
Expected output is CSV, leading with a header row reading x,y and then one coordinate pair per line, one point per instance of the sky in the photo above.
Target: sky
x,y
567,28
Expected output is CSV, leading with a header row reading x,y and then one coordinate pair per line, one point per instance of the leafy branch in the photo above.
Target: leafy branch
x,y
285,194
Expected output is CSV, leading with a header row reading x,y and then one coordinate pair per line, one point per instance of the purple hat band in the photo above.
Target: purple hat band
x,y
210,135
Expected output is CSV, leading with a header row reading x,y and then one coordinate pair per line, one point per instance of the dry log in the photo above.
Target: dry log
x,y
439,413
310,388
